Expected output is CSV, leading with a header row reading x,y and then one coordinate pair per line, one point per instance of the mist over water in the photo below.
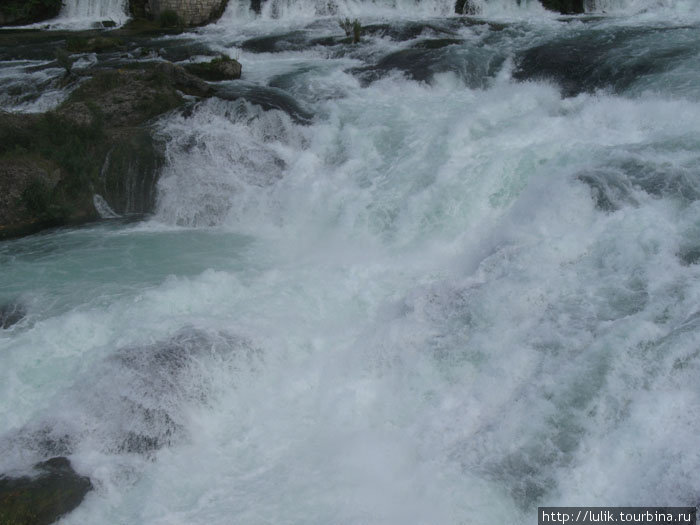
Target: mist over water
x,y
434,278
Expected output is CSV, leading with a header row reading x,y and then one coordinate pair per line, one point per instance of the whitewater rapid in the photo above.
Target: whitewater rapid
x,y
442,293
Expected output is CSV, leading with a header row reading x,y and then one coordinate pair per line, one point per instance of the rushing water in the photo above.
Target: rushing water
x,y
444,283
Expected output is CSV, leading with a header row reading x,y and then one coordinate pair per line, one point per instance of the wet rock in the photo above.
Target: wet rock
x,y
293,41
421,62
267,98
21,12
436,43
406,31
565,7
466,7
41,499
689,255
221,68
98,44
11,314
597,59
52,164
129,174
130,97
624,181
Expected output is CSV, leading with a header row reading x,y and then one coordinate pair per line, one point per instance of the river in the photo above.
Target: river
x,y
458,281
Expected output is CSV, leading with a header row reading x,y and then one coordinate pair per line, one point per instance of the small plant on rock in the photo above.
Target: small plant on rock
x,y
352,28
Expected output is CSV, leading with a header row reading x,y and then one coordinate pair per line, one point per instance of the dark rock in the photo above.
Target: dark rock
x,y
598,59
565,7
294,41
221,68
466,7
11,314
267,98
21,12
623,181
421,62
689,255
130,171
139,8
51,165
436,43
108,23
97,44
43,498
406,31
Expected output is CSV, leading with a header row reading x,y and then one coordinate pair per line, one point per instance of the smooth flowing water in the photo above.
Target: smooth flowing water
x,y
452,277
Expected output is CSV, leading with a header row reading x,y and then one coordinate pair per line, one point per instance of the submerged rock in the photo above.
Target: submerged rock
x,y
11,314
97,44
292,41
466,7
43,498
597,59
267,98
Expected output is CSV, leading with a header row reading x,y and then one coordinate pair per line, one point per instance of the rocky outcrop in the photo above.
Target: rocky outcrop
x,y
97,142
44,498
221,68
21,12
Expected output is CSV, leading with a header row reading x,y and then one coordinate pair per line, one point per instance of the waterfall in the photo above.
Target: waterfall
x,y
86,12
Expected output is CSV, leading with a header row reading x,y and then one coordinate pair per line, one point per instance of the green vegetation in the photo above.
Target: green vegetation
x,y
352,28
28,11
64,59
54,141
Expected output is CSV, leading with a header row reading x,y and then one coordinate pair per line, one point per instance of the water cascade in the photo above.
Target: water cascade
x,y
442,276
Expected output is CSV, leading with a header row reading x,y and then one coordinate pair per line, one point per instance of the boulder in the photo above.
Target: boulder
x,y
41,499
221,68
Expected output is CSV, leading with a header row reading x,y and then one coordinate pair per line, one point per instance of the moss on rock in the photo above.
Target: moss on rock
x,y
44,498
220,68
97,141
